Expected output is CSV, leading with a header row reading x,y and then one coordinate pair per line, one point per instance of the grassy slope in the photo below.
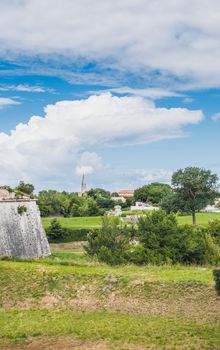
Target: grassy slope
x,y
95,221
127,306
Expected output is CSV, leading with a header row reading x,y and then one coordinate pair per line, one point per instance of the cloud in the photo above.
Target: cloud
x,y
151,93
174,38
88,163
22,88
188,100
156,175
116,179
5,101
216,117
68,138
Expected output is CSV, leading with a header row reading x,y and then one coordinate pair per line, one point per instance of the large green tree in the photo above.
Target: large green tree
x,y
25,188
54,203
195,188
102,197
153,193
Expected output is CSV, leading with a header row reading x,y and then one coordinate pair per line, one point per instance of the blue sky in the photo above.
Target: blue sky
x,y
127,100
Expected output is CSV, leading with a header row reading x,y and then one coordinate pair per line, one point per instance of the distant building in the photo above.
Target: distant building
x,y
118,199
126,193
211,209
143,206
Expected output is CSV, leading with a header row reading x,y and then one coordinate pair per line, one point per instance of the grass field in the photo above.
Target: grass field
x,y
95,221
68,302
202,218
78,222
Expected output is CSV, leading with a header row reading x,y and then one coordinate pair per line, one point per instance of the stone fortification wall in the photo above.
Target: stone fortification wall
x,y
21,231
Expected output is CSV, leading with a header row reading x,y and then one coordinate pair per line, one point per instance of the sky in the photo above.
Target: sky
x,y
124,91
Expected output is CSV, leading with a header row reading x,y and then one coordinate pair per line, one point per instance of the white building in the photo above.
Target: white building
x,y
211,209
143,206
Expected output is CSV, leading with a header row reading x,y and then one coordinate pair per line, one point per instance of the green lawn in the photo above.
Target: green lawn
x,y
95,221
124,308
202,218
120,331
78,222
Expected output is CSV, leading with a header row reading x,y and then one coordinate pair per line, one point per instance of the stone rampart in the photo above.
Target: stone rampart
x,y
21,231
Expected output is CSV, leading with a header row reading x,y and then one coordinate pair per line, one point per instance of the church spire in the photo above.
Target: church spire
x,y
83,185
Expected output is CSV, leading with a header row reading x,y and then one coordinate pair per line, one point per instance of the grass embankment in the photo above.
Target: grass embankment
x,y
66,300
95,221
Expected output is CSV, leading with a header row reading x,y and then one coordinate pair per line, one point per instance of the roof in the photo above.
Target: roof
x,y
126,193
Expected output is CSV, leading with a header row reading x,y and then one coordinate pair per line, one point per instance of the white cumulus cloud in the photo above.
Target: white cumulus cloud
x,y
88,163
178,37
68,138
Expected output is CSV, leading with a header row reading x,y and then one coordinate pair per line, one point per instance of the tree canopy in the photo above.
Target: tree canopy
x,y
195,188
153,193
25,188
102,197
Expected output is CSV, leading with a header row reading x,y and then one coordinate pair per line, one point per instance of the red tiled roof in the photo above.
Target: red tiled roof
x,y
125,192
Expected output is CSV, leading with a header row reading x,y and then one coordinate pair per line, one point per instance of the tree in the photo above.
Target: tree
x,y
96,193
171,203
102,197
25,188
195,188
55,231
153,193
162,240
114,194
53,203
110,243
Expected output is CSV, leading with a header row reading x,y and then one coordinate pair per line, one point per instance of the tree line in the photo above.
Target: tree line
x,y
191,190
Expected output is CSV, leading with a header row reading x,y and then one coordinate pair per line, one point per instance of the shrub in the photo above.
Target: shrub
x,y
22,209
156,231
216,274
110,243
214,230
139,255
58,234
195,245
55,231
163,240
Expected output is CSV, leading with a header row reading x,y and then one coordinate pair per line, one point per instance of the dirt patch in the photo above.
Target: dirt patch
x,y
58,343
88,300
67,246
68,343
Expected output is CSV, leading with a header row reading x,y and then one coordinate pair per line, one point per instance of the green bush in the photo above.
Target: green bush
x,y
216,274
214,230
110,243
194,245
22,209
55,231
163,241
59,234
138,255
